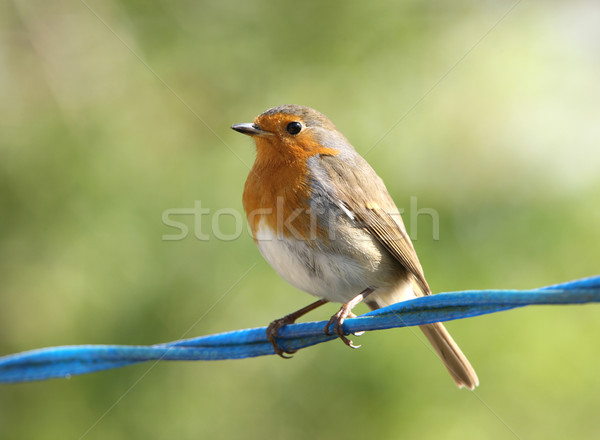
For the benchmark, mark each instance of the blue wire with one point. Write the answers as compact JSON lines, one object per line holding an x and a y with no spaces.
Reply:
{"x":56,"y":362}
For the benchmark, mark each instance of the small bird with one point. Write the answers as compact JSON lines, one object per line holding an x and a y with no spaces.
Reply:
{"x":324,"y":220}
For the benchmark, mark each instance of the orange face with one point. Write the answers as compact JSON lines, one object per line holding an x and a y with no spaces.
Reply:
{"x":287,"y":137}
{"x":278,"y":185}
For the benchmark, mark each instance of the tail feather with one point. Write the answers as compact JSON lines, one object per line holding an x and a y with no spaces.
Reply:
{"x":450,"y":354}
{"x":447,"y":350}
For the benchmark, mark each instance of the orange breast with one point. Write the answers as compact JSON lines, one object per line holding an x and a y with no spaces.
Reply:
{"x":277,"y":190}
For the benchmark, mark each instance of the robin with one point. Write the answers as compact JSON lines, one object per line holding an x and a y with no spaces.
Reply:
{"x":324,"y":220}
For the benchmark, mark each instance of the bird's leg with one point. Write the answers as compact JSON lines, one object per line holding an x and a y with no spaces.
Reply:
{"x":289,"y":319}
{"x":346,"y":311}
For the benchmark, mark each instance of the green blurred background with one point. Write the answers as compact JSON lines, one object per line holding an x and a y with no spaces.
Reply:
{"x":94,"y":147}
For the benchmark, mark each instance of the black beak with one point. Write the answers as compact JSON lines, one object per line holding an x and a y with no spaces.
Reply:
{"x":249,"y":129}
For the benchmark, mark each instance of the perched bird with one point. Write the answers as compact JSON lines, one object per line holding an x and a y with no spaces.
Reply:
{"x":324,"y":220}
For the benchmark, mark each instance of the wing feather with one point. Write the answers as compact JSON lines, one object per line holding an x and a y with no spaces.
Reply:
{"x":364,"y":194}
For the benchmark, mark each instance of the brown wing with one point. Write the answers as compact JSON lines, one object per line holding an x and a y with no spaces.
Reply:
{"x":364,"y":194}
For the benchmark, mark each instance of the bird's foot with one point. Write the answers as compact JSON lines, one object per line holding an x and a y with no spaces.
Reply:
{"x":338,"y":324}
{"x":274,"y":327}
{"x":346,"y":311}
{"x":272,"y":330}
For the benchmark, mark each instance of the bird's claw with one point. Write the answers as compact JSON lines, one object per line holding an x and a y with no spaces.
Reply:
{"x":272,"y":330}
{"x":338,"y":325}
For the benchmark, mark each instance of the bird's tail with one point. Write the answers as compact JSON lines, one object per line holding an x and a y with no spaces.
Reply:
{"x":453,"y":358}
{"x":447,"y":350}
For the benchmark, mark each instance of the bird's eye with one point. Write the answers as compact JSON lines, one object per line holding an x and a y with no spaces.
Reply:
{"x":293,"y":128}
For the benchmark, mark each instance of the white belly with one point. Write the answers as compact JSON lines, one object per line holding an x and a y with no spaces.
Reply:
{"x":335,"y":276}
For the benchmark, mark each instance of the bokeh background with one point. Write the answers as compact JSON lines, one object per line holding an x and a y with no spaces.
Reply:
{"x":94,"y":147}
